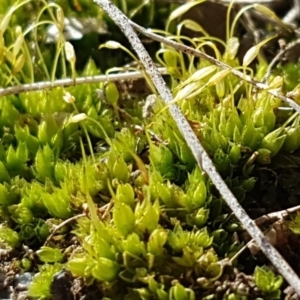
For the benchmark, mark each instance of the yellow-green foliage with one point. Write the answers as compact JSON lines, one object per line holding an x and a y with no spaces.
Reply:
{"x":150,"y":223}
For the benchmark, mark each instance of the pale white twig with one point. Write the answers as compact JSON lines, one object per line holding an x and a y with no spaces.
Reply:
{"x":276,"y":215}
{"x":202,"y":158}
{"x":276,"y":59}
{"x":185,"y":49}
{"x":43,"y":85}
{"x":271,"y":217}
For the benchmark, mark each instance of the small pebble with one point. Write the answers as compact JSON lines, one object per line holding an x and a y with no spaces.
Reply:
{"x":22,"y":281}
{"x":61,"y":286}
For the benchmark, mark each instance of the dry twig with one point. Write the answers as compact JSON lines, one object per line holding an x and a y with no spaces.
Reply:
{"x":277,"y":58}
{"x":61,"y":225}
{"x":188,"y":50}
{"x":275,"y":216}
{"x":270,"y":234}
{"x":44,"y":85}
{"x":202,"y":158}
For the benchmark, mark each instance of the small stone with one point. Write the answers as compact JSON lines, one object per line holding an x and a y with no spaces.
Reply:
{"x":61,"y":286}
{"x":22,"y":296}
{"x":22,"y":281}
{"x":91,"y":293}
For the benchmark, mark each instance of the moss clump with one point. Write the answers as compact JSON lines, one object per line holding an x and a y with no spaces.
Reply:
{"x":149,"y":223}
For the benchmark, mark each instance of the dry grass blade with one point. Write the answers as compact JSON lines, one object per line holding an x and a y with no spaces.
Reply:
{"x":197,"y":149}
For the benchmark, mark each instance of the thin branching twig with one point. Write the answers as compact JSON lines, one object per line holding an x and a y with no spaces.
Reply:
{"x":188,"y":50}
{"x":276,"y":59}
{"x":43,"y":85}
{"x":197,"y":149}
{"x":61,"y":225}
{"x":271,"y":217}
{"x":275,"y":216}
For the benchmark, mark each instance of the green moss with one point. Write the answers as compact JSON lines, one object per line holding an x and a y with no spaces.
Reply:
{"x":149,"y":222}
